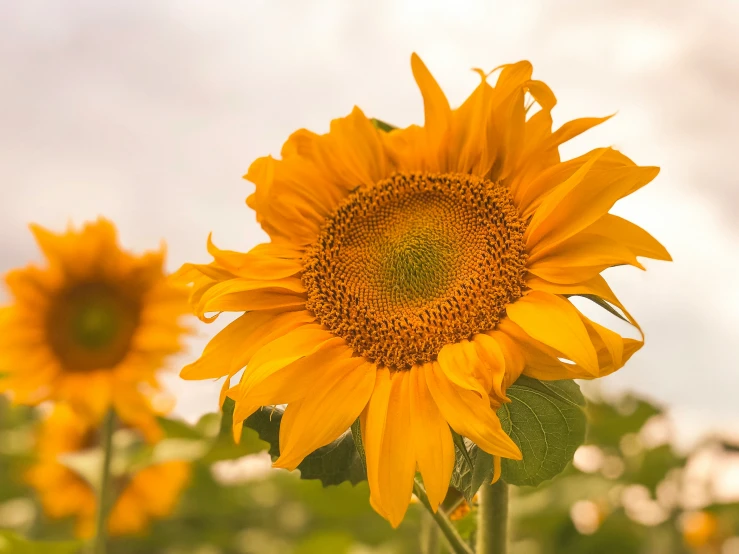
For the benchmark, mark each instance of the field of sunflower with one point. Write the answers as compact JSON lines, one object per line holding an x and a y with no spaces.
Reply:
{"x":409,"y":351}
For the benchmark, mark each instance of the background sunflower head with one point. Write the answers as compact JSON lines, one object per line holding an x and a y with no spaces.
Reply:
{"x":140,"y":497}
{"x":92,"y":326}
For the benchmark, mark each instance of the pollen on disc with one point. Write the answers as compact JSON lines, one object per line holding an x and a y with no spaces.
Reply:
{"x":415,"y":262}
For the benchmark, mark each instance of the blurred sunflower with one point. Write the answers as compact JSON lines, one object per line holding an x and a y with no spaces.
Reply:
{"x":92,"y":327}
{"x":151,"y":493}
{"x":700,"y":529}
{"x":412,"y":275}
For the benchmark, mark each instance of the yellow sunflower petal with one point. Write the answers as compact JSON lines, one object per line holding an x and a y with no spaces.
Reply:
{"x":511,"y":136}
{"x":135,"y":410}
{"x":513,"y":77}
{"x":190,"y":273}
{"x":253,"y":329}
{"x":296,"y":221}
{"x":533,"y":154}
{"x":542,"y":94}
{"x":469,"y":414}
{"x":462,"y":365}
{"x":31,"y":287}
{"x":514,"y":360}
{"x":580,"y":201}
{"x":373,"y":421}
{"x":497,"y":469}
{"x":238,"y":295}
{"x":469,"y":148}
{"x":433,"y":442}
{"x":576,"y":127}
{"x":580,"y":258}
{"x":596,"y":286}
{"x":435,"y":105}
{"x":80,"y":252}
{"x":541,"y":361}
{"x":299,"y":185}
{"x":389,"y":444}
{"x":609,"y":241}
{"x":555,"y":322}
{"x":151,"y":493}
{"x":532,"y":189}
{"x":285,"y":349}
{"x":357,"y":155}
{"x":301,"y":144}
{"x":265,"y":261}
{"x":494,"y":361}
{"x":265,"y":331}
{"x":630,"y":235}
{"x":322,"y":417}
{"x":284,"y":377}
{"x":612,"y":341}
{"x":18,"y":330}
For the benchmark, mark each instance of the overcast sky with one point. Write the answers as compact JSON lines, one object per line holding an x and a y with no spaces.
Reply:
{"x":150,"y":112}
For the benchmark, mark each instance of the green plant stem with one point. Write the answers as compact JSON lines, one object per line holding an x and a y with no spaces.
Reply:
{"x":492,"y":519}
{"x":103,"y":504}
{"x":429,"y":535}
{"x":455,"y":542}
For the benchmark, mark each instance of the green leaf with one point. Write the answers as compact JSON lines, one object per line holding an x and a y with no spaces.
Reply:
{"x":224,"y":447}
{"x":331,"y":464}
{"x":178,"y":429}
{"x":382,"y":126}
{"x":655,"y":465}
{"x":547,"y":422}
{"x":472,"y":467}
{"x":266,"y":422}
{"x":12,"y":543}
{"x":608,"y":423}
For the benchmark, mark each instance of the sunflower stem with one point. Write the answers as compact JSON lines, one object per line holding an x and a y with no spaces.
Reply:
{"x":429,"y":535}
{"x":492,"y":519}
{"x":103,"y":504}
{"x":455,"y":542}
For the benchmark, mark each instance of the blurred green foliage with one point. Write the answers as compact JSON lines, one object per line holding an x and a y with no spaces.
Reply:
{"x":623,"y":499}
{"x":273,"y":513}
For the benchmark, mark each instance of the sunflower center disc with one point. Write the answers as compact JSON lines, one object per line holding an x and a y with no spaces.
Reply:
{"x":415,"y":262}
{"x":90,"y":326}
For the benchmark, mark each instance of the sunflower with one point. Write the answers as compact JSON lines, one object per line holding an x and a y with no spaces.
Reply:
{"x":411,"y":276}
{"x":151,"y":493}
{"x":92,"y":327}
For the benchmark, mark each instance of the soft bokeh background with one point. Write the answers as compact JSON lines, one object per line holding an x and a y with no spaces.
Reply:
{"x":150,"y":112}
